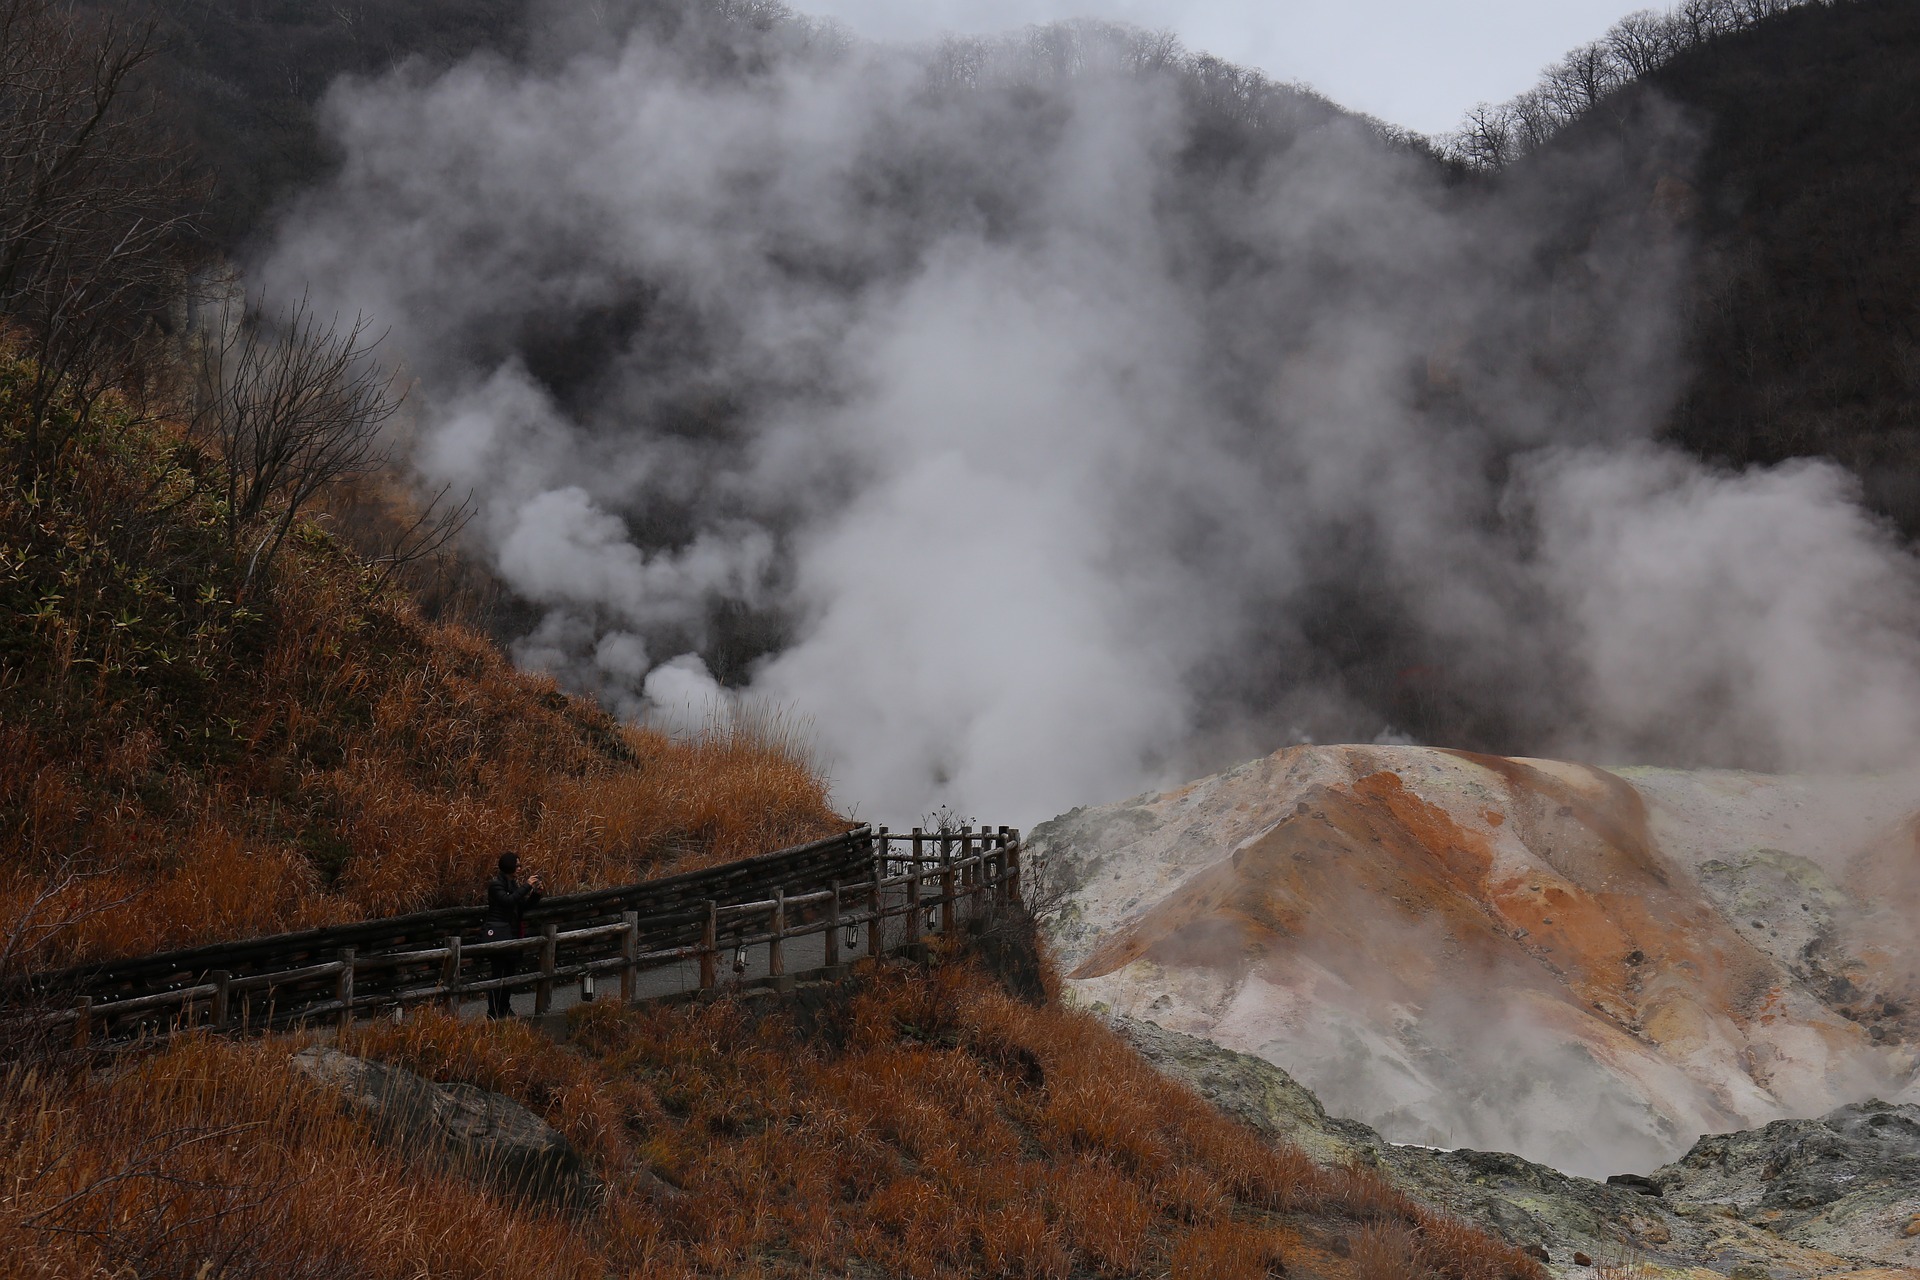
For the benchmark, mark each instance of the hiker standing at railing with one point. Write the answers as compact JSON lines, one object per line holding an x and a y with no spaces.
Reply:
{"x":507,"y":901}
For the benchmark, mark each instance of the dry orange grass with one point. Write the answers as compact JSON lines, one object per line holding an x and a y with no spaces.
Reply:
{"x":926,"y":1126}
{"x":378,"y":763}
{"x":188,"y":759}
{"x":212,"y":1159}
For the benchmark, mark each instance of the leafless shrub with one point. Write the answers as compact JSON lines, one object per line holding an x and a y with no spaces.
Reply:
{"x":292,"y":404}
{"x":425,"y":537}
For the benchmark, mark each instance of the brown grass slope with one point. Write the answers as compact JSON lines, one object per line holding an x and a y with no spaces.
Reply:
{"x":184,"y":761}
{"x":922,"y":1125}
{"x":188,"y":762}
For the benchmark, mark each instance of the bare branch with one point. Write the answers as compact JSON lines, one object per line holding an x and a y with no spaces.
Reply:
{"x":292,"y":405}
{"x":430,"y":533}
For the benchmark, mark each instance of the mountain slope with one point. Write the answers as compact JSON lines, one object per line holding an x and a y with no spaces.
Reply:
{"x":1804,"y":329}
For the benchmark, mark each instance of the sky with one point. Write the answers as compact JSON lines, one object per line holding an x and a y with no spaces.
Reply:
{"x":1416,"y":63}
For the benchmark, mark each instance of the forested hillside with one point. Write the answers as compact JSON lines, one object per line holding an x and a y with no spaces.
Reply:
{"x":243,"y":79}
{"x":1806,"y":313}
{"x":1799,"y":144}
{"x":195,"y":752}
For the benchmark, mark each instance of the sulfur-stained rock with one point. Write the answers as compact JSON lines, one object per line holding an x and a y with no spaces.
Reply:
{"x":1529,"y":955}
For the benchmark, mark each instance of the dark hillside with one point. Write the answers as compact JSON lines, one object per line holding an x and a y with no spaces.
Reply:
{"x":244,"y":79}
{"x":1805,"y":305}
{"x":1807,"y":312}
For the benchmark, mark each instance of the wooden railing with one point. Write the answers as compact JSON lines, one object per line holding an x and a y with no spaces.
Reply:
{"x":762,"y":921}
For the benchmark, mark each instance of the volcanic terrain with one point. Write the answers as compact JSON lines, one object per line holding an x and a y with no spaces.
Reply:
{"x":1588,"y":967}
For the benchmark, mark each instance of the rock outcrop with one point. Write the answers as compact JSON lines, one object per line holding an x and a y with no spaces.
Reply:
{"x":1588,"y":967}
{"x":478,"y":1133}
{"x":1796,"y":1198}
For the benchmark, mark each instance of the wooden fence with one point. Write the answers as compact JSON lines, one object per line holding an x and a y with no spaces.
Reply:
{"x":765,"y":920}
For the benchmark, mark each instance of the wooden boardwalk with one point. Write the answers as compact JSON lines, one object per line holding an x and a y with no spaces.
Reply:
{"x":812,"y":910}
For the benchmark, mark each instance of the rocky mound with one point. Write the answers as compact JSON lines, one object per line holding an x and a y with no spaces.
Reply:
{"x":1840,"y":1194}
{"x":1590,"y":968}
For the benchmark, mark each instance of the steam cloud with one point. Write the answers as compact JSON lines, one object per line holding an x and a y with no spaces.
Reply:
{"x":1048,"y":417}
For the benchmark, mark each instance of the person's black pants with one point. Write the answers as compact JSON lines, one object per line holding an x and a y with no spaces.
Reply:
{"x":500,"y":1001}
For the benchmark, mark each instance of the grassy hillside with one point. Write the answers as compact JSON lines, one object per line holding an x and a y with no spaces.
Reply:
{"x":920,"y":1126}
{"x":187,"y":761}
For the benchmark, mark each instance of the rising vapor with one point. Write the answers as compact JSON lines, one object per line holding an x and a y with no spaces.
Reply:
{"x":1050,"y":416}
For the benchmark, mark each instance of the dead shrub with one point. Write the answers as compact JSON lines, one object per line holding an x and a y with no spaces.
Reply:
{"x":1017,"y":1242}
{"x":1225,"y":1251}
{"x":1189,"y":1194}
{"x":1461,"y":1251}
{"x":1384,"y":1251}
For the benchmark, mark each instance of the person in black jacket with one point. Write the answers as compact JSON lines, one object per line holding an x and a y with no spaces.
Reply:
{"x":507,"y":901}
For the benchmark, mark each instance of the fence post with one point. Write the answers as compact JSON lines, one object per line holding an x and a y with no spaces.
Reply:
{"x":710,"y":947}
{"x":776,"y":960}
{"x":1013,"y":869}
{"x":630,"y":954}
{"x":976,"y":876}
{"x":450,"y":975}
{"x":549,"y":951}
{"x":832,"y":956}
{"x":82,"y":1022}
{"x":343,"y":989}
{"x":221,"y":1002}
{"x":949,"y":905}
{"x":876,"y":935}
{"x":913,"y":896}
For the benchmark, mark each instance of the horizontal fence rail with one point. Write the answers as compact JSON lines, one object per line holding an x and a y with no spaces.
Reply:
{"x":813,"y":908}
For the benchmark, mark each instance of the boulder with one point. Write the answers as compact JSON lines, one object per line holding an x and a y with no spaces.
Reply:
{"x":1847,"y":1182}
{"x":480,"y":1134}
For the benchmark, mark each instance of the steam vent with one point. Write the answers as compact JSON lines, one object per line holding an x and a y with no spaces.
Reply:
{"x":1589,"y":967}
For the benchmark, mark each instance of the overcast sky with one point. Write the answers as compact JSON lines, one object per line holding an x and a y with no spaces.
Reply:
{"x":1418,"y":63}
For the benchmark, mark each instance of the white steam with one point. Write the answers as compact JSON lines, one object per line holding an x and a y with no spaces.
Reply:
{"x":1042,"y":418}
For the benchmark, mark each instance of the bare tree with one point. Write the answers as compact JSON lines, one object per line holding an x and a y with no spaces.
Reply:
{"x":1749,"y":12}
{"x":1537,"y":116}
{"x":1579,"y":81}
{"x":93,"y":203}
{"x":1642,"y":42}
{"x":1489,"y":137}
{"x":292,"y":405}
{"x":1698,"y":21}
{"x":1492,"y":137}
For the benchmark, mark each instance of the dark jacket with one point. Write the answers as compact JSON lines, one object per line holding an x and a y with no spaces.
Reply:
{"x":508,"y":900}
